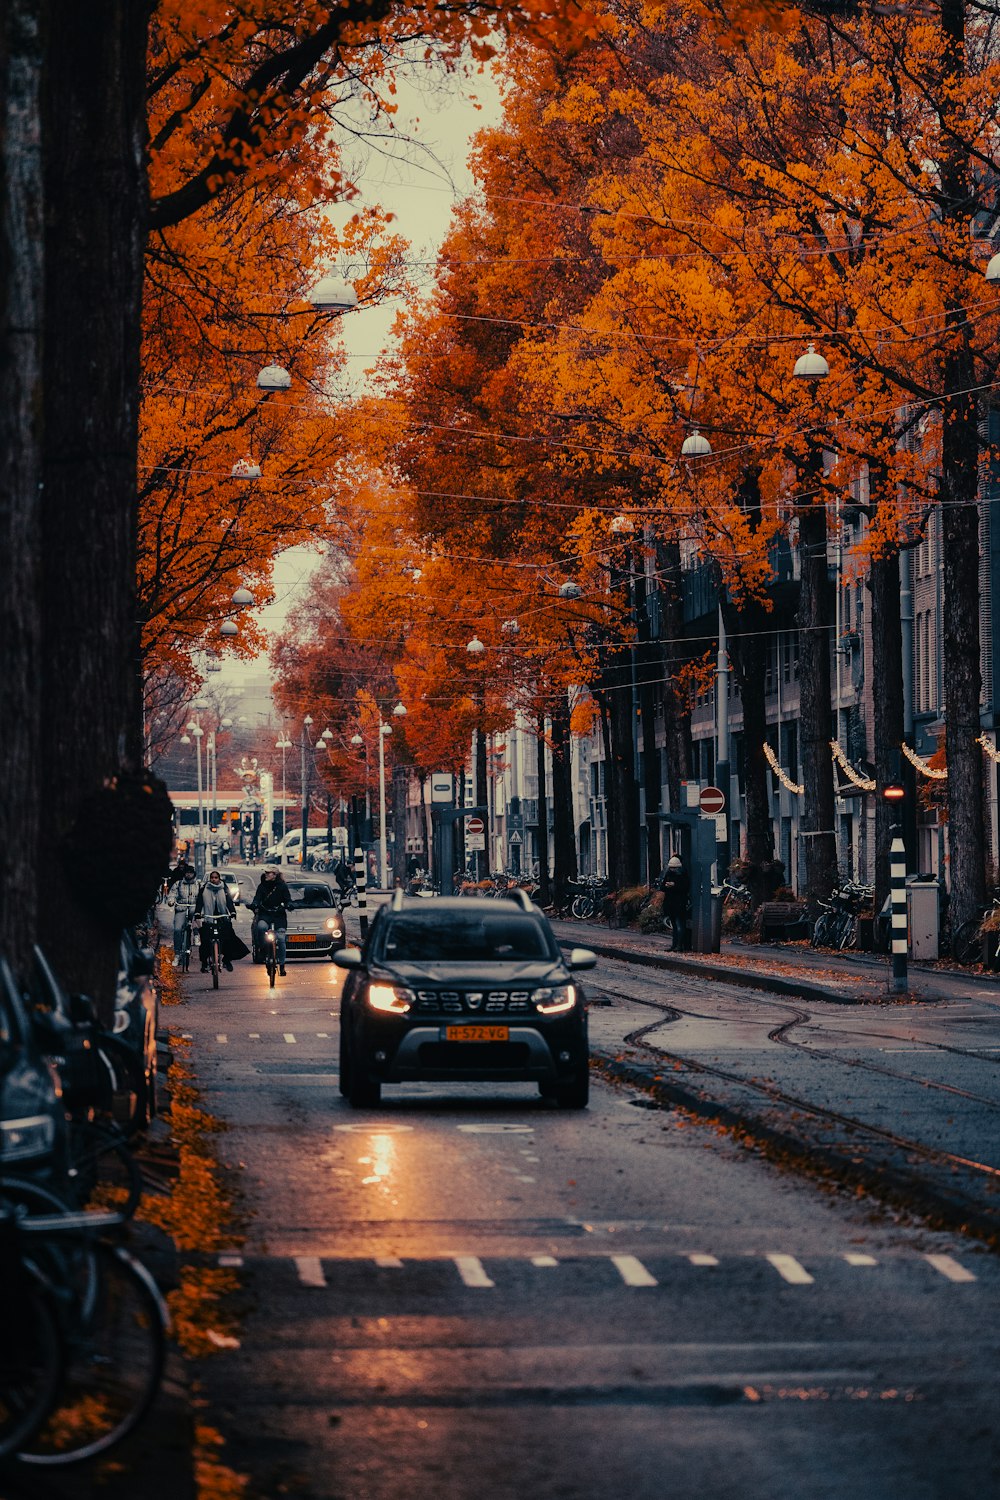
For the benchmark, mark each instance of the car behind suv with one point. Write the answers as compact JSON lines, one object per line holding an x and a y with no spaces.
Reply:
{"x":463,"y":990}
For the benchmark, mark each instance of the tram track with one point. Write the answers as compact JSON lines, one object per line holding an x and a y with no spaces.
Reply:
{"x":947,"y":1188}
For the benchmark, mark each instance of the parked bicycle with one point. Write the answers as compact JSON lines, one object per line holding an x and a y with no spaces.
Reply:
{"x":838,"y":923}
{"x":967,"y":942}
{"x":589,"y":893}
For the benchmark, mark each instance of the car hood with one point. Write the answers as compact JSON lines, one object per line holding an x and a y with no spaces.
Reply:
{"x":477,"y":975}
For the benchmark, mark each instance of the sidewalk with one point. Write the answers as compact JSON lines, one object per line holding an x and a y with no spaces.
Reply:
{"x":787,"y":968}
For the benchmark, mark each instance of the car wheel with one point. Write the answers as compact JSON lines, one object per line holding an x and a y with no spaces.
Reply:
{"x":574,"y":1094}
{"x":362,"y":1091}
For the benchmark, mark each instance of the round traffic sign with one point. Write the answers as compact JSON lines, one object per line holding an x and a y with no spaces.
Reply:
{"x":474,"y":825}
{"x":712,"y":800}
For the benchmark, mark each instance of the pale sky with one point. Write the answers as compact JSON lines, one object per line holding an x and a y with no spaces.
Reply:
{"x":420,"y":184}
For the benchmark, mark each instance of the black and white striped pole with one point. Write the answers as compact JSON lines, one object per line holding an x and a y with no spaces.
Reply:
{"x":897,"y":887}
{"x":361,"y":882}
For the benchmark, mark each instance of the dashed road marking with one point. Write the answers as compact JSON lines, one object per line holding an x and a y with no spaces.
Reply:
{"x":230,"y":1262}
{"x":289,"y":1036}
{"x":632,"y":1271}
{"x":323,"y":1036}
{"x":310,"y":1269}
{"x":703,"y":1260}
{"x":255,"y":1036}
{"x":544,"y":1260}
{"x":949,"y":1267}
{"x":221,"y":1036}
{"x":790,"y":1269}
{"x":470,"y":1268}
{"x":388,"y":1262}
{"x":860,"y":1260}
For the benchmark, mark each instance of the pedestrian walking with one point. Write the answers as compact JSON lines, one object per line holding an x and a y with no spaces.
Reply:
{"x":675,"y":884}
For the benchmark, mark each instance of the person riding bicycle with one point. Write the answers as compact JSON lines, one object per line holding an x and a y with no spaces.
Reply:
{"x":343,"y":875}
{"x":214,"y":900}
{"x":184,"y":900}
{"x":271,"y":901}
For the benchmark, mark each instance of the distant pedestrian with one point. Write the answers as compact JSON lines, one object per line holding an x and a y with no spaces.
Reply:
{"x":676,"y":885}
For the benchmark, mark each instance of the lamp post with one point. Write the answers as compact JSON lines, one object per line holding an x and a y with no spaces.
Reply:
{"x":384,"y":729}
{"x":283,"y":744}
{"x":306,"y":722}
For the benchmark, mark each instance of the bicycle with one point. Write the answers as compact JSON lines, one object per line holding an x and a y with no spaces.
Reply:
{"x":270,"y":952}
{"x":184,"y":956}
{"x":215,"y":949}
{"x":967,"y":940}
{"x":93,"y":1328}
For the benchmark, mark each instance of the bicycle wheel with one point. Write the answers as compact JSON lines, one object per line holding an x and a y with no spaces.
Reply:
{"x":579,"y":907}
{"x":113,"y":1364}
{"x":967,"y":943}
{"x":102,"y":1173}
{"x":216,"y":964}
{"x":272,"y":966}
{"x":31,"y":1361}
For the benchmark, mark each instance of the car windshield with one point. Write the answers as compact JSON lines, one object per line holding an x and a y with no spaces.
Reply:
{"x":310,"y":895}
{"x":458,"y":937}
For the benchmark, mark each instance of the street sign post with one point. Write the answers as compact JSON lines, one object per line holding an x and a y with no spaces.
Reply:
{"x":712,"y":800}
{"x":475,"y":835}
{"x":442,"y":787}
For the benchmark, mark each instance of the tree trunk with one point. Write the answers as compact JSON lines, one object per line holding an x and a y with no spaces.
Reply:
{"x":400,"y":787}
{"x":887,"y":697}
{"x":22,"y":36}
{"x":650,"y":673}
{"x":544,"y":891}
{"x":960,"y":531}
{"x":816,"y":825}
{"x":749,"y":632}
{"x":482,"y":799}
{"x":676,"y":713}
{"x":94,"y":123}
{"x":623,"y":794}
{"x":563,"y":827}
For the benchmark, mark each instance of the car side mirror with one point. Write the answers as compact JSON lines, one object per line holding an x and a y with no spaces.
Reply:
{"x":349,"y":958}
{"x":581,"y":958}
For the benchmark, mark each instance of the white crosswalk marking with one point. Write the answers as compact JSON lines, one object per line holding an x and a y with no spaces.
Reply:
{"x":310,"y":1270}
{"x":470,"y":1268}
{"x":388,"y":1262}
{"x":289,"y":1036}
{"x":703,"y":1260}
{"x":861,"y":1260}
{"x":788,"y":1267}
{"x":544,"y":1260}
{"x":949,"y":1267}
{"x":632,"y":1271}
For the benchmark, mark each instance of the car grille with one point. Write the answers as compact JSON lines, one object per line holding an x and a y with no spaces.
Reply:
{"x":473,"y":1002}
{"x":465,"y":1056}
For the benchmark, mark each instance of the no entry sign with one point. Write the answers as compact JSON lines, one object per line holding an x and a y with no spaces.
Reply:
{"x":712,"y":800}
{"x":475,"y":834}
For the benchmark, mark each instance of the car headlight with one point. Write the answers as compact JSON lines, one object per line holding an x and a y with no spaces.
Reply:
{"x":555,"y":998}
{"x":333,"y":924}
{"x":30,"y":1136}
{"x":390,"y":998}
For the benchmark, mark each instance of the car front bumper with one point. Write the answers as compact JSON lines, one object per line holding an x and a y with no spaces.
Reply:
{"x":396,"y":1052}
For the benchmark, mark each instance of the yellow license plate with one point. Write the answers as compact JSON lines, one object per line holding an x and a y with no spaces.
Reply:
{"x":476,"y":1033}
{"x":301,"y":937}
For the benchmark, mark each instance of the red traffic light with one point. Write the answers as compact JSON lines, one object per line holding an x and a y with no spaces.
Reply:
{"x":893,"y":792}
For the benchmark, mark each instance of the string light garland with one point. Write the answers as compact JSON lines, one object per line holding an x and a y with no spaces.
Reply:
{"x":923,"y":766}
{"x":786,"y":781}
{"x":991,"y":750}
{"x":865,"y":783}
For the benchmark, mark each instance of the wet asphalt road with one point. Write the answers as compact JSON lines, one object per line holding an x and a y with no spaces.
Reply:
{"x":467,"y":1293}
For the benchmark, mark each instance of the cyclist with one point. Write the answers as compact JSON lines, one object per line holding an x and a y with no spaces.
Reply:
{"x":184,"y":900}
{"x":215,"y":901}
{"x":344,"y":876}
{"x":271,"y":901}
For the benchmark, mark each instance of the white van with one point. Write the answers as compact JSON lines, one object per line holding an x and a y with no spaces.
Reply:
{"x":289,"y":849}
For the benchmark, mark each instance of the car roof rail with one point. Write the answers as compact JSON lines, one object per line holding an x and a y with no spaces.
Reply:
{"x":522,"y":897}
{"x":397,"y":898}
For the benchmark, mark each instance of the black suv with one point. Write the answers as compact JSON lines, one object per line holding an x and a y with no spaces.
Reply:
{"x":467,"y":991}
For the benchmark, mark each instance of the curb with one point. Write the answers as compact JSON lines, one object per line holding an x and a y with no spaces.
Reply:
{"x":894,"y":1186}
{"x":749,"y":979}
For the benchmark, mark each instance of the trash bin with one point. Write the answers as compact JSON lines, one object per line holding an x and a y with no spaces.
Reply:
{"x":923,"y":898}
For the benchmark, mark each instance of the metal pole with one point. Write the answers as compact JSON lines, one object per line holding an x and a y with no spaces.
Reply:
{"x":361,"y":882}
{"x":723,"y":773}
{"x":305,"y":802}
{"x":897,"y":880}
{"x":284,"y":814}
{"x":200,"y":859}
{"x":382,"y":849}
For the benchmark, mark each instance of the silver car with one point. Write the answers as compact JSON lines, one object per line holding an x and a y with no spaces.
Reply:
{"x":315,"y":922}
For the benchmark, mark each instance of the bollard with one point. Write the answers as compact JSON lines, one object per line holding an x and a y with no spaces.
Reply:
{"x":360,"y":880}
{"x":897,"y":883}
